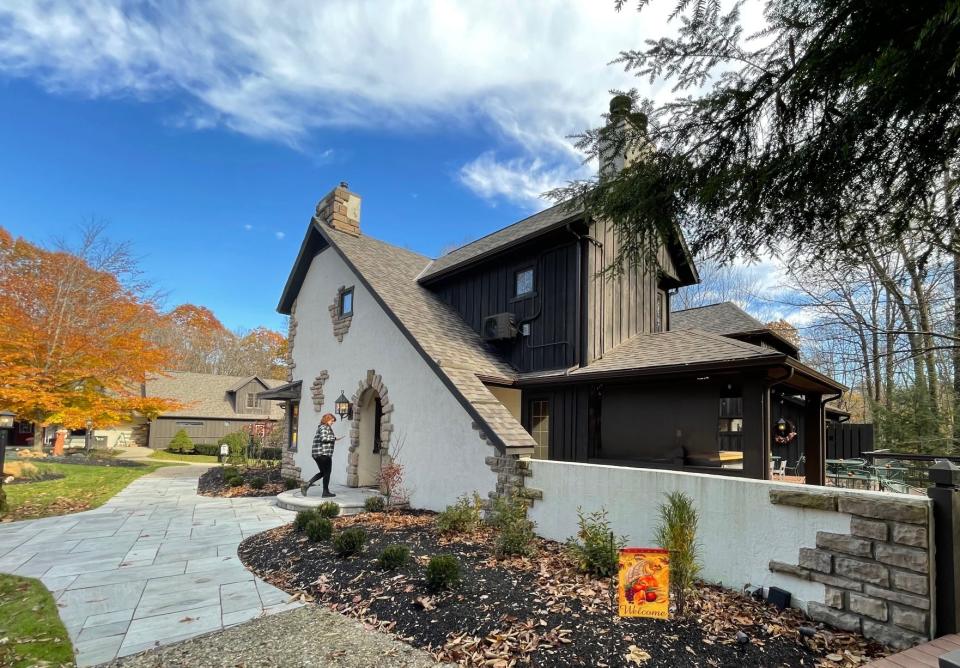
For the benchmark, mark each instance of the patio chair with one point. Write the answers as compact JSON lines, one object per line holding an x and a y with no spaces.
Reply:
{"x":779,"y":470}
{"x":796,"y":469}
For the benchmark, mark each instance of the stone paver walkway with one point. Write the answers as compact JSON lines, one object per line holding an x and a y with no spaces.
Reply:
{"x":154,"y":565}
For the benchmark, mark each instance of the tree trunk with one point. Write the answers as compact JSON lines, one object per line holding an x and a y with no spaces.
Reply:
{"x":37,"y":436}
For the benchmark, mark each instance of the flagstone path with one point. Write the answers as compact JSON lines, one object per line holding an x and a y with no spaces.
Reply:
{"x":154,"y":565}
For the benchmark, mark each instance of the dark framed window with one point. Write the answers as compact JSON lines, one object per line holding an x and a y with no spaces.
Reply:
{"x":25,"y":428}
{"x":730,"y":423}
{"x":252,"y":400}
{"x":540,"y":427}
{"x":293,"y":424}
{"x":346,"y":302}
{"x":660,"y":315}
{"x":523,"y":282}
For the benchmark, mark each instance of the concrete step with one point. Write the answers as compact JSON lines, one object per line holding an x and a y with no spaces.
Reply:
{"x":350,"y":499}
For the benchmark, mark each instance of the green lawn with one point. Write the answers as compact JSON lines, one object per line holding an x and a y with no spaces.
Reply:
{"x":163,"y":455}
{"x":30,"y":627}
{"x":83,"y":488}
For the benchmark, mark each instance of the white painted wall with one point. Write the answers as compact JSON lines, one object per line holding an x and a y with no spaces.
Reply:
{"x":740,"y":531}
{"x":442,"y":454}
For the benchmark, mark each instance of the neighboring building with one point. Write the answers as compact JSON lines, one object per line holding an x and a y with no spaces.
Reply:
{"x":213,"y":406}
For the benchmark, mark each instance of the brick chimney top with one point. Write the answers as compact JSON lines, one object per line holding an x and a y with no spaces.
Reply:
{"x":340,"y":209}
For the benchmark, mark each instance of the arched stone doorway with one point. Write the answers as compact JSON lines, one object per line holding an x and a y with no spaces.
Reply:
{"x":369,"y":432}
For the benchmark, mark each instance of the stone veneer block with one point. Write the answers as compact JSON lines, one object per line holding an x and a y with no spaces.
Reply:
{"x":836,"y":581}
{"x":909,"y":618}
{"x":838,"y":542}
{"x":804,"y":499}
{"x":906,"y":557}
{"x":865,"y":528}
{"x":865,"y":605}
{"x":816,"y":560}
{"x":910,"y":534}
{"x":891,"y":635}
{"x":842,"y":620}
{"x":865,"y":571}
{"x":882,"y":509}
{"x":789,"y":569}
{"x":834,"y":597}
{"x":918,"y":584}
{"x":921,"y":602}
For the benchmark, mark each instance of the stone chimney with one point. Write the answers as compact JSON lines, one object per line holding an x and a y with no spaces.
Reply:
{"x":340,"y":209}
{"x":620,"y":140}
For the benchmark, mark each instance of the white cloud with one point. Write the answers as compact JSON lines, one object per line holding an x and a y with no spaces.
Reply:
{"x":248,"y":227}
{"x":280,"y":235}
{"x":521,"y":180}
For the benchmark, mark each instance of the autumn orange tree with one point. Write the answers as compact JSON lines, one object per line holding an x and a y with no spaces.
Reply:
{"x":74,"y":333}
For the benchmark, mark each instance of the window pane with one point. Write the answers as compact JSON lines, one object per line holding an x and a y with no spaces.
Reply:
{"x":540,"y":428}
{"x":346,"y":303}
{"x":524,"y":282}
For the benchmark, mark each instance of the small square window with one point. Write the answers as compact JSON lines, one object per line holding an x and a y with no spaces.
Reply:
{"x":524,"y":282}
{"x":346,"y":302}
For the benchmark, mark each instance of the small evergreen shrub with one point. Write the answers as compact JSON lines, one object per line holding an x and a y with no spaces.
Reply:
{"x":319,"y":528}
{"x":443,"y":571}
{"x":302,"y":519}
{"x":677,"y":532}
{"x":349,"y":542}
{"x":595,"y":549}
{"x":258,"y":483}
{"x":328,"y":509}
{"x":230,"y":472}
{"x":180,"y":443}
{"x":462,"y":517}
{"x":374,"y":504}
{"x":515,"y":534}
{"x":289,"y":483}
{"x":235,"y":481}
{"x":394,"y":557}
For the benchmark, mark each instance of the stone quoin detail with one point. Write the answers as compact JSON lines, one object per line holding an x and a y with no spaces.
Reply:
{"x":511,"y":472}
{"x":291,"y":334}
{"x":374,"y":382}
{"x":316,"y":390}
{"x":877,"y":577}
{"x":341,"y":324}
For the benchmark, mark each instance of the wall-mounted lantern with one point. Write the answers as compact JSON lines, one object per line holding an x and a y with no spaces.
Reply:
{"x":6,"y":420}
{"x":783,"y":427}
{"x":343,"y":407}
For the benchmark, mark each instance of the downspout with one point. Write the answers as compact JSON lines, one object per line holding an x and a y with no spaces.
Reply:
{"x":578,"y":316}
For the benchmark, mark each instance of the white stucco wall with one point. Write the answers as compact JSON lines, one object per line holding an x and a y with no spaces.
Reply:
{"x":442,"y":454}
{"x":740,"y":531}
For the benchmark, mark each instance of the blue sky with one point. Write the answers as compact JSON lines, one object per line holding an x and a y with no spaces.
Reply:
{"x":205,"y":133}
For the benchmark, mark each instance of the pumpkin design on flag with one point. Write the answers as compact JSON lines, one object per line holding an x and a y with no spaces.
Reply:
{"x":644,"y":583}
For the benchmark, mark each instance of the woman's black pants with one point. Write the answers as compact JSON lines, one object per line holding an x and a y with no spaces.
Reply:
{"x":325,"y":464}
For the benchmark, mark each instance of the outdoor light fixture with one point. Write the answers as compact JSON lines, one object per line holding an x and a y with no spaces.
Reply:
{"x":343,"y":407}
{"x":782,"y":426}
{"x":6,"y":420}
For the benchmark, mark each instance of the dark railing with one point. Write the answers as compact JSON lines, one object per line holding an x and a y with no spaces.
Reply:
{"x":914,"y":467}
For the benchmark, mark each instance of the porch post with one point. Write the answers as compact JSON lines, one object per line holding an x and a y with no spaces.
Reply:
{"x":756,"y":449}
{"x":814,"y":445}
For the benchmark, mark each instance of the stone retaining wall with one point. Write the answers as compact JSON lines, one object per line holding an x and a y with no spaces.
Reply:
{"x":878,"y":577}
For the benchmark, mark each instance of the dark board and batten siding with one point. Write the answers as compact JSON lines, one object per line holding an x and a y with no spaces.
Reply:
{"x":551,"y":311}
{"x":570,"y":438}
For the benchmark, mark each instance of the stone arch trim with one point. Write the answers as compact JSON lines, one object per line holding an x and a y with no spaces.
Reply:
{"x":341,"y":324}
{"x":316,"y":390}
{"x":374,"y":382}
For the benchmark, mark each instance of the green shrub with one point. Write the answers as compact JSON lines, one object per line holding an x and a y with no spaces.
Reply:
{"x":394,"y":557}
{"x":302,"y":519}
{"x":677,"y":532}
{"x":328,"y":509}
{"x":180,"y":442}
{"x":236,"y":481}
{"x":514,"y":531}
{"x":462,"y":517}
{"x":290,"y":483}
{"x":318,"y":528}
{"x":595,"y":548}
{"x":443,"y":571}
{"x":209,"y":449}
{"x":230,"y":472}
{"x":374,"y":504}
{"x":271,"y":453}
{"x":238,"y":442}
{"x":349,"y":542}
{"x":258,"y":483}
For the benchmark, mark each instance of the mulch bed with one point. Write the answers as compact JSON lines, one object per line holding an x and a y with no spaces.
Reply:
{"x":532,"y":611}
{"x":79,"y":458}
{"x":43,"y":477}
{"x":212,"y":483}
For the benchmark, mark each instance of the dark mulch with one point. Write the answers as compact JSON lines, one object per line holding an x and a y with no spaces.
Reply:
{"x":534,"y":611}
{"x":212,"y":483}
{"x":80,"y":458}
{"x":43,"y":477}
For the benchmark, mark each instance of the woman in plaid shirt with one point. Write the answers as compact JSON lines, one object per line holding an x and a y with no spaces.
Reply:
{"x":322,"y":453}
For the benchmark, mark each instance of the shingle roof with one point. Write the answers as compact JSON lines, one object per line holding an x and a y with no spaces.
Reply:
{"x":689,"y":347}
{"x":458,"y":354}
{"x":722,"y":318}
{"x":206,"y":395}
{"x":532,"y":226}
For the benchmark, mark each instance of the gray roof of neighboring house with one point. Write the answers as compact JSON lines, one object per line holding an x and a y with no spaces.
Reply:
{"x":555,"y":216}
{"x":678,"y":348}
{"x":722,"y":318}
{"x":207,"y":395}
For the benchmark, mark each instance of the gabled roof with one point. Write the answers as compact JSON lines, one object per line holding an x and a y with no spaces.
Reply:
{"x":206,"y":395}
{"x":722,"y":318}
{"x":448,"y":344}
{"x":243,"y":381}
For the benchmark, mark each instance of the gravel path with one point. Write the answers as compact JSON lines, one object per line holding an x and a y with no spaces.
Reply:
{"x":307,"y":636}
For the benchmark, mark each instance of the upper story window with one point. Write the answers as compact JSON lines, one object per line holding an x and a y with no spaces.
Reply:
{"x":346,"y":303}
{"x":524,"y":282}
{"x":253,"y":401}
{"x":660,"y":315}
